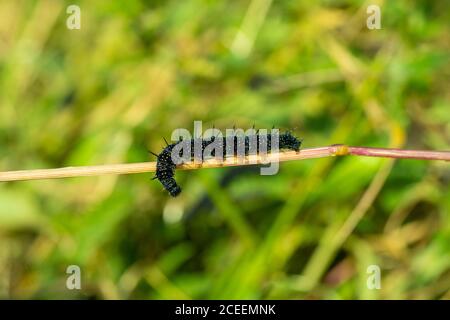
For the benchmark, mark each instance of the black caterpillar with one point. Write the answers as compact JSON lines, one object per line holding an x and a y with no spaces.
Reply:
{"x":165,"y":167}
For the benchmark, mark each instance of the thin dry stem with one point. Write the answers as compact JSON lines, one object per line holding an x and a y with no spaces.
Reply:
{"x":312,"y":153}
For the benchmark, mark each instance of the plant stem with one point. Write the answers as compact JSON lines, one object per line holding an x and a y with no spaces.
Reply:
{"x":312,"y":153}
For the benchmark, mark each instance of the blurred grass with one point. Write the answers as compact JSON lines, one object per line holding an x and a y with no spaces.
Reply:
{"x":139,"y":69}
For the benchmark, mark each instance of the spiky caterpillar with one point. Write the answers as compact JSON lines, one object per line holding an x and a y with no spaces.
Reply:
{"x":165,"y":167}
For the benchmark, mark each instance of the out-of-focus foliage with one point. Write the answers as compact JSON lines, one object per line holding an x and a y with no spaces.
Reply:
{"x":139,"y":69}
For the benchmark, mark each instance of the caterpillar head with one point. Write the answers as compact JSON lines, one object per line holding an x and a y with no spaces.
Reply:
{"x":289,"y":141}
{"x":175,"y":191}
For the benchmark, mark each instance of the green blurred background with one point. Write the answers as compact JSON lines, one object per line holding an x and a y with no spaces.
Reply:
{"x":139,"y":69}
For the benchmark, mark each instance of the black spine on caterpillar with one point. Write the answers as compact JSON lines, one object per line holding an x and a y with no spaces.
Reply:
{"x":165,"y":167}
